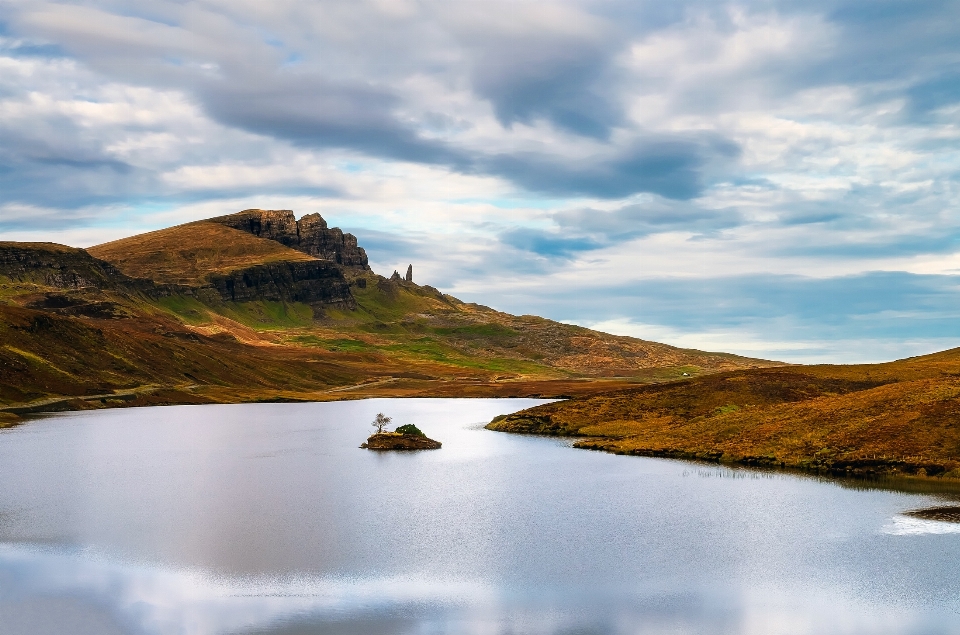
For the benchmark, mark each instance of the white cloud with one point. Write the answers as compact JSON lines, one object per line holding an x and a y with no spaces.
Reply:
{"x":766,"y":345}
{"x":160,"y":600}
{"x":797,"y":146}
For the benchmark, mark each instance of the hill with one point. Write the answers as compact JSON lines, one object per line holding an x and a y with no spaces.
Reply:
{"x":261,"y":306}
{"x":190,"y":254}
{"x":899,"y":417}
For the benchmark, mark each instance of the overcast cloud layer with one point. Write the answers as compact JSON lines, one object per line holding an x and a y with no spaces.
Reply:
{"x":773,"y":178}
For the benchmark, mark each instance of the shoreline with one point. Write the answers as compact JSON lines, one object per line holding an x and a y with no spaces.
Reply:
{"x":854,"y":467}
{"x":874,"y":477}
{"x":869,"y":474}
{"x":396,"y":387}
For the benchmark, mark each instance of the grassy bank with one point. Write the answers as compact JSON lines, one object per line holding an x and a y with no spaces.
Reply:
{"x":897,"y":418}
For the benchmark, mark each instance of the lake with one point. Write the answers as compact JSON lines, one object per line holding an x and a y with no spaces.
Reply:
{"x":268,"y":519}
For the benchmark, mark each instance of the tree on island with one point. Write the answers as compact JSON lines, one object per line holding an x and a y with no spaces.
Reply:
{"x":380,"y":422}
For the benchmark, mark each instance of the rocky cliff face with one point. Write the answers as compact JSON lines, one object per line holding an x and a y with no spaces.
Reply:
{"x":310,"y":234}
{"x":315,"y":282}
{"x":60,"y":266}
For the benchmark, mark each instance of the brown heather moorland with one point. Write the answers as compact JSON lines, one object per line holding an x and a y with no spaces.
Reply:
{"x":900,"y":417}
{"x":189,"y":254}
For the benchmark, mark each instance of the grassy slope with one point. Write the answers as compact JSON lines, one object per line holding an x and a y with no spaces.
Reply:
{"x":55,"y":248}
{"x":44,"y":355}
{"x":142,"y":355}
{"x":900,"y":416}
{"x":404,"y":322}
{"x":188,"y":254}
{"x":420,"y":320}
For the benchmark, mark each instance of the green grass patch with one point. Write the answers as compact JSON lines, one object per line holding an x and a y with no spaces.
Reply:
{"x":373,"y":305}
{"x":37,"y":360}
{"x":265,"y":315}
{"x":507,"y":365}
{"x":430,"y":349}
{"x":410,"y":429}
{"x":668,"y":373}
{"x":188,"y":310}
{"x":722,"y":410}
{"x":492,"y":331}
{"x":10,"y":289}
{"x":261,"y":315}
{"x":338,"y":344}
{"x":422,"y":348}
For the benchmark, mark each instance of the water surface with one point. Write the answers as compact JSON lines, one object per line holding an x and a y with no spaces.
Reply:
{"x":268,"y":519}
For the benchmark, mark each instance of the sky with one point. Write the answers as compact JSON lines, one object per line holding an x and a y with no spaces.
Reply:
{"x":773,"y":178}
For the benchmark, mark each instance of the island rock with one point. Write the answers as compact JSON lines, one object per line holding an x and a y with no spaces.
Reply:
{"x":398,"y":441}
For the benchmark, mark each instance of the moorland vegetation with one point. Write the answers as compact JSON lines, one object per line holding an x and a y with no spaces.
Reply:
{"x":899,"y":417}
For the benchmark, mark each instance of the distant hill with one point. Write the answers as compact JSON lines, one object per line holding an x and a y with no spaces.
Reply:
{"x":898,"y":417}
{"x":262,"y":306}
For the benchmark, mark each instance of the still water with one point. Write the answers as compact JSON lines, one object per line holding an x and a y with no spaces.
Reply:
{"x":268,"y":519}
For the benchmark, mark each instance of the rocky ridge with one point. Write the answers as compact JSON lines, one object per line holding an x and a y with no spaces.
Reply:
{"x":310,"y":234}
{"x":62,"y":267}
{"x":316,"y":282}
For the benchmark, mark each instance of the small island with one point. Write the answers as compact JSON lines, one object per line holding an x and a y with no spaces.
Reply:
{"x":405,"y":437}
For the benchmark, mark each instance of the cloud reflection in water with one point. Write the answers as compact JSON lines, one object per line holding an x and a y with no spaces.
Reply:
{"x":153,"y":600}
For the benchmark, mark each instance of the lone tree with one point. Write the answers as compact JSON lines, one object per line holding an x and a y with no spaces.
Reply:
{"x":380,"y":422}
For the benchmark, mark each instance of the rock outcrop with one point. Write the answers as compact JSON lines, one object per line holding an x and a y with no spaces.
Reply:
{"x":315,"y":282}
{"x":397,"y":441}
{"x":310,"y":234}
{"x":62,"y":267}
{"x":409,"y":276}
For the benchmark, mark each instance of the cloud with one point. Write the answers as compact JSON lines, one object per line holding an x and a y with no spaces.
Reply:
{"x":588,"y":229}
{"x":104,"y":596}
{"x":542,"y":144}
{"x":672,"y":167}
{"x":642,"y":219}
{"x":528,"y":73}
{"x":548,"y":243}
{"x":543,"y":60}
{"x":933,"y":94}
{"x":308,"y":112}
{"x":873,"y":317}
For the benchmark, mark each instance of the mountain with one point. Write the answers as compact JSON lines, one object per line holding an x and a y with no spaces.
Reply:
{"x":900,"y":417}
{"x":262,"y":306}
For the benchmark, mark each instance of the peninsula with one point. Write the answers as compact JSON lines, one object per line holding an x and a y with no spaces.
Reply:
{"x":900,"y":417}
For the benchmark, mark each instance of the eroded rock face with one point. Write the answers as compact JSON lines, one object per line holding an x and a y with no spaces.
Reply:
{"x":316,"y":282}
{"x":310,"y":234}
{"x":397,"y":441}
{"x":330,"y":244}
{"x":60,"y":266}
